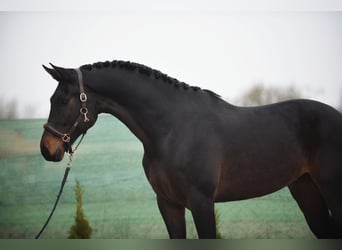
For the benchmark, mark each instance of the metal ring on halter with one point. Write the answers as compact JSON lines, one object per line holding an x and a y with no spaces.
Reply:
{"x":83,"y":97}
{"x":84,"y":111}
{"x":66,"y":138}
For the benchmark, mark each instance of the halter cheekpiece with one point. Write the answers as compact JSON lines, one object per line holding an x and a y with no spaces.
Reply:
{"x":65,"y":137}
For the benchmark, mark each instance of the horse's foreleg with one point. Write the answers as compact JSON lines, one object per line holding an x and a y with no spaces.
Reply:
{"x":174,"y":218}
{"x":202,"y":209}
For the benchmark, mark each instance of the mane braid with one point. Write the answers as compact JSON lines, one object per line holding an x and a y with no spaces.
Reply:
{"x":145,"y":71}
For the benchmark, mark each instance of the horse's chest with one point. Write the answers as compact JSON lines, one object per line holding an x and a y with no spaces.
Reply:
{"x":166,"y":183}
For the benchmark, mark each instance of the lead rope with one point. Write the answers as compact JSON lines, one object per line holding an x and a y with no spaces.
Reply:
{"x":67,"y":170}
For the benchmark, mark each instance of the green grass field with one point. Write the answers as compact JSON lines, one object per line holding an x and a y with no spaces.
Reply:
{"x":118,"y":200}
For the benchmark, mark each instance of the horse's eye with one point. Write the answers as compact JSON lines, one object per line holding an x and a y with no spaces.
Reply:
{"x":65,"y":101}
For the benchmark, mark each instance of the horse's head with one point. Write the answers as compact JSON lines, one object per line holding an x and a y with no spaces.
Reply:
{"x":72,"y":113}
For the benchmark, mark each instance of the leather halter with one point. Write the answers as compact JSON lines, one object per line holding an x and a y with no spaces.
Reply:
{"x":65,"y":137}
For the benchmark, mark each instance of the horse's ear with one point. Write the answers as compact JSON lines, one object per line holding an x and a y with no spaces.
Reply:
{"x":54,"y":73}
{"x":59,"y":73}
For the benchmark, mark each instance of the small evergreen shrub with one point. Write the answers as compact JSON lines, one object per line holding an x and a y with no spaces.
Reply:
{"x":218,"y":224}
{"x":81,"y":229}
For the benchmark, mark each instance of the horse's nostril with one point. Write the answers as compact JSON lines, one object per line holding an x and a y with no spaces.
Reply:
{"x":45,"y":152}
{"x":58,"y":154}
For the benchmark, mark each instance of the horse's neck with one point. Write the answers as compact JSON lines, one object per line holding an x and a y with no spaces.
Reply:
{"x":141,"y":105}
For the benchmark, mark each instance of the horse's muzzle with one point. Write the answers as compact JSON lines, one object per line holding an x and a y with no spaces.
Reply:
{"x":51,"y":147}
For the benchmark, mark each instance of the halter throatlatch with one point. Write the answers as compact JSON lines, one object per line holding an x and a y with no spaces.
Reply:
{"x":65,"y":137}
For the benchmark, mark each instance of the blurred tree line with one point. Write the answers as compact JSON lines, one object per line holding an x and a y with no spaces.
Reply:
{"x":261,"y":95}
{"x":8,"y":108}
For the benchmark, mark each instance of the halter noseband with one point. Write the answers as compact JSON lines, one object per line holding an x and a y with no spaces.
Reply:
{"x":65,"y":137}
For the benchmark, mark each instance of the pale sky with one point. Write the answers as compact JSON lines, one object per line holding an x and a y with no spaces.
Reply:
{"x":227,"y":51}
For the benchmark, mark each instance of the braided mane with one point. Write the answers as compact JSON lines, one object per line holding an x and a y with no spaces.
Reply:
{"x":145,"y":71}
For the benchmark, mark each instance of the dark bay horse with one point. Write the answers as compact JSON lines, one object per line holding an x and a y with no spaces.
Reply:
{"x":198,"y":149}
